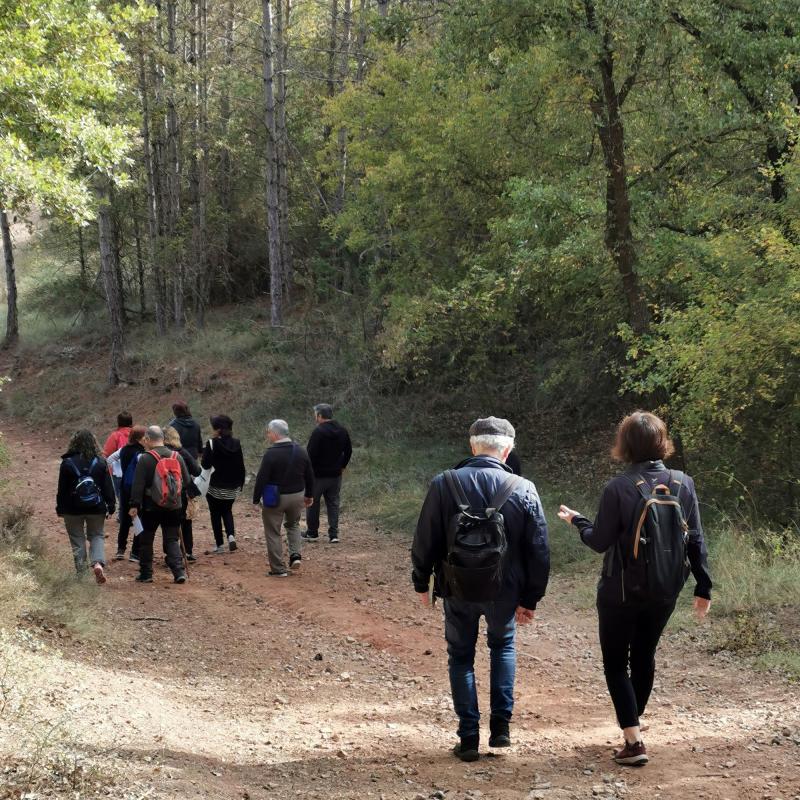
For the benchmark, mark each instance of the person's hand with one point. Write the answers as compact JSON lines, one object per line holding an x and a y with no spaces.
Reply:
{"x":701,"y":607}
{"x":133,"y":513}
{"x":524,"y":615}
{"x":308,"y":502}
{"x":424,"y":599}
{"x":567,"y":514}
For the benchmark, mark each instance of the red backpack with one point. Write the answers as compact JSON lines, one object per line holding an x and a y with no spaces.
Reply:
{"x":167,"y":489}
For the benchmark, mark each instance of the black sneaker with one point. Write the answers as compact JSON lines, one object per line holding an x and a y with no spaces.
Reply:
{"x":309,"y":537}
{"x":467,"y":749}
{"x":143,"y":578}
{"x":231,"y":544}
{"x":180,"y":578}
{"x":133,"y":558}
{"x":120,"y":556}
{"x":499,"y":734}
{"x":334,"y":539}
{"x":278,"y":573}
{"x":294,"y":561}
{"x":190,"y":557}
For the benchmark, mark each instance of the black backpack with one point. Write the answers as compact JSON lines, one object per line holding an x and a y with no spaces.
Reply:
{"x":653,"y":555}
{"x":476,"y":543}
{"x":86,"y":494}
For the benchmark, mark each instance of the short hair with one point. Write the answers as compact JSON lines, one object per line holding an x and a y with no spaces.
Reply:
{"x":83,"y":443}
{"x":171,"y":437}
{"x":221,"y":422}
{"x":180,"y":408}
{"x":279,"y":426}
{"x":137,"y":434}
{"x":641,"y":436}
{"x":323,"y":410}
{"x":124,"y":419}
{"x":491,"y":441}
{"x":155,"y":433}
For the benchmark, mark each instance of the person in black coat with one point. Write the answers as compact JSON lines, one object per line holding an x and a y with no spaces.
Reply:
{"x":127,"y":457}
{"x":173,"y":441}
{"x":630,"y":628}
{"x":187,"y":427}
{"x":224,"y":454}
{"x":84,"y":499}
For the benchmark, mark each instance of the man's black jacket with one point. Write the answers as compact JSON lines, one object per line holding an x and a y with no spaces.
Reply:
{"x":287,"y":465}
{"x":525,"y":579}
{"x":329,"y":449}
{"x":618,"y":505}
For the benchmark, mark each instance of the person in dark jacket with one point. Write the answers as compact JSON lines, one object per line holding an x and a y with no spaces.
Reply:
{"x":152,"y":515}
{"x":523,"y":583}
{"x":287,"y":467}
{"x":84,"y":499}
{"x":224,"y":454}
{"x":126,"y":459}
{"x":329,"y":449}
{"x":630,"y":629}
{"x":188,"y":428}
{"x":173,"y":440}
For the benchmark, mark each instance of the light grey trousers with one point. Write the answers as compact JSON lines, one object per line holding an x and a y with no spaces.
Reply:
{"x":83,"y":527}
{"x":287,"y":512}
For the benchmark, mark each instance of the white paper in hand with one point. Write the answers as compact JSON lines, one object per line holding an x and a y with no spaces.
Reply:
{"x":137,"y":525}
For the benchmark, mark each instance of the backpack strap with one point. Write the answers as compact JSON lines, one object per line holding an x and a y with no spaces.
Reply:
{"x":503,"y":493}
{"x":676,"y":477}
{"x":456,"y":489}
{"x":639,"y":483}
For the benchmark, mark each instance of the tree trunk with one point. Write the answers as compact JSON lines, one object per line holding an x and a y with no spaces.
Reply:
{"x":281,"y":58}
{"x":12,"y":320}
{"x":361,"y":41}
{"x":344,"y":71}
{"x":383,"y":8}
{"x":151,"y":180}
{"x":333,"y":48}
{"x":225,"y":163}
{"x":110,"y":284}
{"x":273,"y":202}
{"x":137,"y":238}
{"x":82,"y":256}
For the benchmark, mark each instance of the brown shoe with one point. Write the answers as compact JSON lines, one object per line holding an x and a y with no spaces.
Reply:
{"x":99,"y":574}
{"x":632,"y":755}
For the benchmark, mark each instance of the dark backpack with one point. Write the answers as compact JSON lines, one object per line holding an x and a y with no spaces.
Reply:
{"x":86,"y":494}
{"x":130,"y":473}
{"x":476,"y":543}
{"x":653,"y":555}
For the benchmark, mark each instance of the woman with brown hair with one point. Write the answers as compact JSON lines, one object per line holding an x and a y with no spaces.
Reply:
{"x":648,"y":525}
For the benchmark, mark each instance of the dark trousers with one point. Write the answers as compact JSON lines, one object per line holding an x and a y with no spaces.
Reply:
{"x":169,"y":522}
{"x":461,"y":619}
{"x":629,"y":637}
{"x":221,"y":513}
{"x":188,"y":535}
{"x":330,"y":489}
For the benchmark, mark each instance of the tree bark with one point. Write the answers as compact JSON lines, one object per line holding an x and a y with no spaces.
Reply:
{"x":383,"y":8}
{"x":344,"y":71}
{"x":606,"y":108}
{"x":273,"y":201}
{"x":111,"y":286}
{"x":82,"y":255}
{"x":140,"y":271}
{"x":225,"y":162}
{"x":281,"y":58}
{"x":12,"y":320}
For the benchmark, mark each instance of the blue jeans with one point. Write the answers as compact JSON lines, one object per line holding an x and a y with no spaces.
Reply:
{"x":461,"y":620}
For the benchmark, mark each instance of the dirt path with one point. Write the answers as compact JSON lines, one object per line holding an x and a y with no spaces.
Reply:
{"x":332,"y":684}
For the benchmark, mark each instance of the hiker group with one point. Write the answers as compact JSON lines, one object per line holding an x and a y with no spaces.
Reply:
{"x":156,"y":478}
{"x":481,"y":542}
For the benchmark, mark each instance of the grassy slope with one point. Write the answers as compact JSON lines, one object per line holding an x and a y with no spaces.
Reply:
{"x":239,"y":366}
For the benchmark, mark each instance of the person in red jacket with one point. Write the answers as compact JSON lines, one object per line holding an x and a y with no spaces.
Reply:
{"x":117,"y":439}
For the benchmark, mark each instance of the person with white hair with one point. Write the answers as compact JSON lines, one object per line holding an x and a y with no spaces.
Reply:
{"x":283,"y":487}
{"x":481,"y":545}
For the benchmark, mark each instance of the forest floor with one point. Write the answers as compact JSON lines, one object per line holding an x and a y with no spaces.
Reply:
{"x":333,"y":684}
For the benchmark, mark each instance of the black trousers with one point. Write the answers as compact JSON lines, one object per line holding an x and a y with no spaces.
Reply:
{"x":221,"y":513}
{"x":629,"y":636}
{"x":169,"y":522}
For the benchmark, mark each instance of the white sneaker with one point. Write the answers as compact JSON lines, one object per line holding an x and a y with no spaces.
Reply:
{"x":219,"y":550}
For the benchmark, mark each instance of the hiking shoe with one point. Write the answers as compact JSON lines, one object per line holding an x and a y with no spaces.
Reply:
{"x":120,"y":556}
{"x":278,"y":573}
{"x":99,"y":574}
{"x":180,"y":578}
{"x":467,"y":749}
{"x":190,"y":557}
{"x":218,"y":550}
{"x":310,"y":537}
{"x":143,"y":578}
{"x":499,"y":735}
{"x":133,"y":558}
{"x":333,"y":540}
{"x":294,"y":561}
{"x":632,"y":755}
{"x":231,"y":544}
